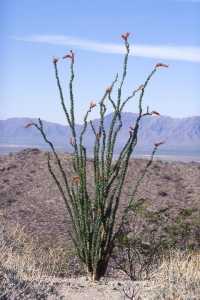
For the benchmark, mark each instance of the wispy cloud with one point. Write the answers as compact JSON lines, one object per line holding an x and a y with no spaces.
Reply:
{"x":184,"y":53}
{"x":193,"y":1}
{"x":190,"y":0}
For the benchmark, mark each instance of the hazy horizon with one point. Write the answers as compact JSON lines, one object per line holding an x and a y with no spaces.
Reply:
{"x":64,"y":122}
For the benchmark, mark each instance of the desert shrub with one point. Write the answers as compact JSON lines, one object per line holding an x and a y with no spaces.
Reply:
{"x":152,"y":234}
{"x":178,"y":277}
{"x":94,"y":217}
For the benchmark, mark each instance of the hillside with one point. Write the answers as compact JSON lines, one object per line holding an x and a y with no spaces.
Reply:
{"x":29,"y":197}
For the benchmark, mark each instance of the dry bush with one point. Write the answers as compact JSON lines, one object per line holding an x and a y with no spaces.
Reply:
{"x":178,"y":277}
{"x":149,"y":234}
{"x":26,"y":269}
{"x":25,"y":256}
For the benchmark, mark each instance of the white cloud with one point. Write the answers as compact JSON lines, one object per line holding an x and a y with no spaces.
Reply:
{"x":189,"y":1}
{"x":193,"y":1}
{"x":184,"y":53}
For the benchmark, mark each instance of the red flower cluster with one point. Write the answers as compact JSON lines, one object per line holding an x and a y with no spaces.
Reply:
{"x":161,"y":65}
{"x":159,"y":144}
{"x":109,"y":89}
{"x":55,"y":60}
{"x":28,"y":125}
{"x":141,"y":87}
{"x":70,"y":56}
{"x":125,"y":36}
{"x":92,"y":104}
{"x":155,"y":113}
{"x":76,"y":179}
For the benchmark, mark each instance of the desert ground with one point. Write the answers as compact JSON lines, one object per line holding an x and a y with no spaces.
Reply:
{"x":29,"y":200}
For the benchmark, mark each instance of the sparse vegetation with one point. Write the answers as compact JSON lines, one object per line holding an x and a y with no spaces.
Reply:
{"x":29,"y":272}
{"x":152,"y":234}
{"x":28,"y":258}
{"x":24,"y":267}
{"x":178,"y":277}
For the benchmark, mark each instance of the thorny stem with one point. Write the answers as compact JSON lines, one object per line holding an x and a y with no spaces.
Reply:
{"x":94,"y":220}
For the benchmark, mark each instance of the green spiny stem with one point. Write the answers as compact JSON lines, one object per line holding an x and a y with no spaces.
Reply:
{"x":62,"y":192}
{"x":122,"y":153}
{"x":41,"y":130}
{"x":128,"y":207}
{"x":140,"y":112}
{"x":79,"y":225}
{"x":69,"y":120}
{"x":116,"y":168}
{"x":73,"y":126}
{"x":72,"y":97}
{"x":116,"y":110}
{"x":110,"y":91}
{"x":83,"y":159}
{"x":128,"y":99}
{"x":113,"y":140}
{"x":85,"y":125}
{"x":94,"y":160}
{"x":61,"y":94}
{"x":124,"y":71}
{"x":103,"y":110}
{"x":141,"y":178}
{"x":94,"y":220}
{"x":125,"y":167}
{"x":101,"y":131}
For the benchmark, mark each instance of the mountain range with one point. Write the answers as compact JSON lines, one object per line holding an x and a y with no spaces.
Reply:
{"x":179,"y":134}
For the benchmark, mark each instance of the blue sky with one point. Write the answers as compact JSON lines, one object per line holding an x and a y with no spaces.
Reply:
{"x":34,"y":31}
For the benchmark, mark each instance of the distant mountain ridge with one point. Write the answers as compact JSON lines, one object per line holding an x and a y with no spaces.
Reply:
{"x":178,"y":133}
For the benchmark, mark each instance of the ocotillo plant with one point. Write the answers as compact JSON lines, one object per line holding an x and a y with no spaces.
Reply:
{"x":94,"y":218}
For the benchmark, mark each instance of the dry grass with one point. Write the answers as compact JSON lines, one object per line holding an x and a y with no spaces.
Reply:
{"x":27,"y":270}
{"x":24,"y":255}
{"x":178,"y":277}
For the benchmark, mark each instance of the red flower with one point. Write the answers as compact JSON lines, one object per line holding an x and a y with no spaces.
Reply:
{"x":141,"y":87}
{"x":161,"y":65}
{"x":76,"y":179}
{"x":67,"y":56}
{"x":155,"y":113}
{"x":125,"y":36}
{"x":55,"y":60}
{"x":28,"y":125}
{"x":92,"y":104}
{"x":109,"y":89}
{"x":71,"y":56}
{"x":159,"y":144}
